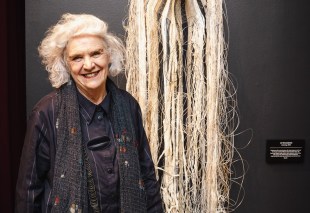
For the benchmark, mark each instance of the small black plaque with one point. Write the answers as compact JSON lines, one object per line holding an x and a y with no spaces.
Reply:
{"x":285,"y":151}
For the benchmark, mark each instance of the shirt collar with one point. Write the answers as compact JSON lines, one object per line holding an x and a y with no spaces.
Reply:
{"x":88,"y":109}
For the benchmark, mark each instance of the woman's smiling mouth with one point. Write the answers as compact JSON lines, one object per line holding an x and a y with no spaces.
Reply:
{"x":91,"y":75}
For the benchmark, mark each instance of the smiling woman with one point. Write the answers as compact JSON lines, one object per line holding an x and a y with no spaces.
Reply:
{"x":89,"y":66}
{"x":85,"y":148}
{"x":72,"y":27}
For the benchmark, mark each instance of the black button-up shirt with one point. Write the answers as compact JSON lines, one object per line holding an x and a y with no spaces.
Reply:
{"x":95,"y":124}
{"x":35,"y":178}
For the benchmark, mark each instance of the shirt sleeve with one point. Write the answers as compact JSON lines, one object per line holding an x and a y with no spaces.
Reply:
{"x":154,"y":201}
{"x":34,"y":164}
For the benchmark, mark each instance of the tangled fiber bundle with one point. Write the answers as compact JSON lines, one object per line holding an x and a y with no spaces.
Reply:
{"x":176,"y":68}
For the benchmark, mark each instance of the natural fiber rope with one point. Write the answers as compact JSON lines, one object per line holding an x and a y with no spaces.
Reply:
{"x":189,"y":107}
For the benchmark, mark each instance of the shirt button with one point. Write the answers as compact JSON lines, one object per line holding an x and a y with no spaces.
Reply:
{"x":109,"y":171}
{"x":99,"y":117}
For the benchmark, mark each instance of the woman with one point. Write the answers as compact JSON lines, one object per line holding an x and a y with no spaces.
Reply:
{"x":85,"y":148}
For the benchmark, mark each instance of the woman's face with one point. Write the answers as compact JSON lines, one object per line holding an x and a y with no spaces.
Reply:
{"x":88,"y":62}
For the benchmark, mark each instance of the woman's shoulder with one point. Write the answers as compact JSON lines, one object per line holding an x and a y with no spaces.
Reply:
{"x":44,"y":110}
{"x":129,"y":97}
{"x":46,"y":103}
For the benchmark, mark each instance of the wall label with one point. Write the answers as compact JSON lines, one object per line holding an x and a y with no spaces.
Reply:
{"x":285,"y":151}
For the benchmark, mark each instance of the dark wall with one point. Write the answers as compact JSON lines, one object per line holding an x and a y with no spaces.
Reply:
{"x":12,"y":96}
{"x":269,"y":57}
{"x":269,"y":44}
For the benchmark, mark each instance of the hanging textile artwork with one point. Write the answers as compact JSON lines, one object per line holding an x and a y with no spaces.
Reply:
{"x":176,"y":68}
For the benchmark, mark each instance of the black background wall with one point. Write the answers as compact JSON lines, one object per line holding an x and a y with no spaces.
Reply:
{"x":268,"y":57}
{"x":12,"y":96}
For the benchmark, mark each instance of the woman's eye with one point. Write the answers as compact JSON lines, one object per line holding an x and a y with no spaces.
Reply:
{"x":77,"y":59}
{"x":96,"y":54}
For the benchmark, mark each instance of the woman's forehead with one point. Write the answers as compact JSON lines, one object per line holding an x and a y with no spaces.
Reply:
{"x":84,"y":43}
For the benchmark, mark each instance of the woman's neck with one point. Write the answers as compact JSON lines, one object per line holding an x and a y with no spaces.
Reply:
{"x":94,"y":96}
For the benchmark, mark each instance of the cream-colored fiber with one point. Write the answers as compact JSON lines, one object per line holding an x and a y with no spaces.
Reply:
{"x":176,"y":68}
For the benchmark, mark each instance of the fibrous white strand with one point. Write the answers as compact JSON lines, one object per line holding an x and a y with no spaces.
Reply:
{"x":179,"y":76}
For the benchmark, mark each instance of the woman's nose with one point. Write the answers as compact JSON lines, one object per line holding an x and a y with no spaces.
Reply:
{"x":88,"y":63}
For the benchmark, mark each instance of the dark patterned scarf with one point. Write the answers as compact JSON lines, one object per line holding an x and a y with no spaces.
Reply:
{"x":73,"y":189}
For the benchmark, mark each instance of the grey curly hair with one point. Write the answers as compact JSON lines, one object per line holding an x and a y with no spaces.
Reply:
{"x":52,"y":47}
